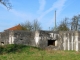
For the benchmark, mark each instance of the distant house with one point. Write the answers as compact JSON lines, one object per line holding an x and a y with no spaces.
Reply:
{"x":61,"y":40}
{"x":17,"y":27}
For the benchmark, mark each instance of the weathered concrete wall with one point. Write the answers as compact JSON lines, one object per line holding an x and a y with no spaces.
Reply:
{"x":17,"y":37}
{"x":79,"y":40}
{"x":4,"y":37}
{"x":70,"y":40}
{"x":43,"y":39}
{"x":24,"y":37}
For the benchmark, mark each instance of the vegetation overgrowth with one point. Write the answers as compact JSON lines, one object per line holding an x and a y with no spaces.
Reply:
{"x":22,"y":52}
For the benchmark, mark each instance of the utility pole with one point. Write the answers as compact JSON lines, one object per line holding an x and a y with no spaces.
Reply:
{"x":55,"y":20}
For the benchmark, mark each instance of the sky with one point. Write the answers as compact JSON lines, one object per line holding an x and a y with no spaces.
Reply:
{"x":42,"y":10}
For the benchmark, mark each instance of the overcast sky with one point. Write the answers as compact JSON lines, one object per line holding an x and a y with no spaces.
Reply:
{"x":43,"y":10}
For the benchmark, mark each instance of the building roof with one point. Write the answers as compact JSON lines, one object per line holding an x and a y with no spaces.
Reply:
{"x":17,"y":27}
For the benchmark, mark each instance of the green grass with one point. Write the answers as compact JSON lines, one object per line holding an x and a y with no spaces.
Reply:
{"x":32,"y":53}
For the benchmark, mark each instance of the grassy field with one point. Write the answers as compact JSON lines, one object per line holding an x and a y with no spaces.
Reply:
{"x":32,"y":53}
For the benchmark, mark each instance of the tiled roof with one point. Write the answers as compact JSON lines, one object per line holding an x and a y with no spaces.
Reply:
{"x":18,"y":27}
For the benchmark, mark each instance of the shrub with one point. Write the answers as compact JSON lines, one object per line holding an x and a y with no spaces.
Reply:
{"x":12,"y":48}
{"x":1,"y":49}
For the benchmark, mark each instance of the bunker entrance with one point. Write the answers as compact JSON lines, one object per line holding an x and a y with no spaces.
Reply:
{"x":51,"y":42}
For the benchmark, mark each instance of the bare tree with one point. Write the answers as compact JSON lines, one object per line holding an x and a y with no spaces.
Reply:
{"x":27,"y":25}
{"x":63,"y":25}
{"x":36,"y":25}
{"x":32,"y":26}
{"x":6,"y":3}
{"x":75,"y":23}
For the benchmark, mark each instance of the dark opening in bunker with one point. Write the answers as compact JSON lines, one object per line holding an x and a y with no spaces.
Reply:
{"x":51,"y":42}
{"x":21,"y":39}
{"x":2,"y":43}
